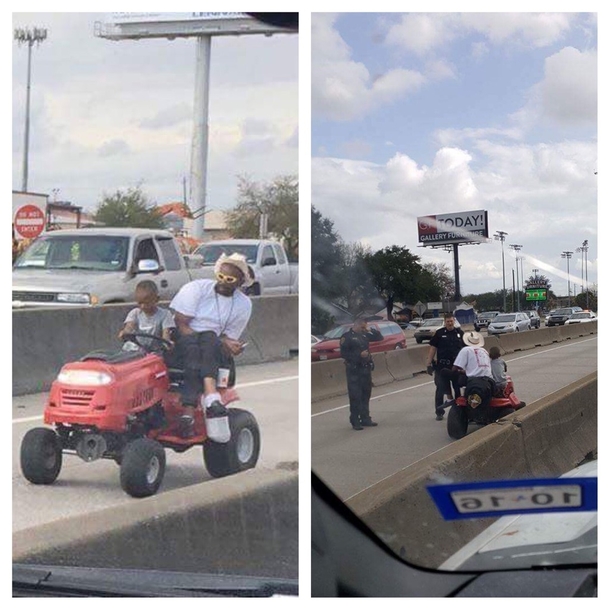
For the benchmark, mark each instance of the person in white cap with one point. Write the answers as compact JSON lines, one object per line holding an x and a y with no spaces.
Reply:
{"x":472,"y":361}
{"x":210,"y":316}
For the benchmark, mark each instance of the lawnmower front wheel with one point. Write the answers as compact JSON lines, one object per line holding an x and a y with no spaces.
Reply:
{"x":142,"y":467}
{"x":41,"y":456}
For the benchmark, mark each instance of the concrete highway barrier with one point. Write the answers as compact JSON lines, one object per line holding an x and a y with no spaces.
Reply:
{"x":328,"y":378}
{"x":545,"y":439}
{"x":45,"y":339}
{"x":243,"y":524}
{"x":381,"y":374}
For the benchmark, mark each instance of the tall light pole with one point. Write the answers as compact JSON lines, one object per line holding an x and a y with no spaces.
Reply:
{"x":501,"y":236}
{"x":29,"y":37}
{"x":585,"y":249}
{"x":582,"y":268}
{"x":568,"y":255}
{"x":517,"y":249}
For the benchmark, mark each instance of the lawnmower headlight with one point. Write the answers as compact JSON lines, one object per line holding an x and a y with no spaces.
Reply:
{"x":83,"y":377}
{"x":74,"y":297}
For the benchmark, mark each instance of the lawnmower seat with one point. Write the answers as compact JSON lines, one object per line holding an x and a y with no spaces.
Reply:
{"x":113,"y":357}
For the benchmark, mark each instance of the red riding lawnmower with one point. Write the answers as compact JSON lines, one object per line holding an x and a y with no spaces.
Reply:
{"x":475,"y":407}
{"x":126,"y":406}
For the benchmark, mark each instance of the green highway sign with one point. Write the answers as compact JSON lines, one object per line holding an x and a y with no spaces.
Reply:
{"x":535,"y":294}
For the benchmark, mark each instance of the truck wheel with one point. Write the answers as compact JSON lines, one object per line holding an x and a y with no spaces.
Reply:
{"x":418,"y":340}
{"x":240,"y":453}
{"x":41,"y":456}
{"x":457,"y":422}
{"x":254,"y":290}
{"x":142,"y":467}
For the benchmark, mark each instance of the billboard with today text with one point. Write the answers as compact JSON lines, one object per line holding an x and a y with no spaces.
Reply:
{"x":456,"y":228}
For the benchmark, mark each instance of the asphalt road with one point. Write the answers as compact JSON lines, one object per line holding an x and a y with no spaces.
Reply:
{"x":269,"y":391}
{"x":349,"y":461}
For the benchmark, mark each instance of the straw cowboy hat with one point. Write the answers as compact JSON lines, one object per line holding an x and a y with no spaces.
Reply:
{"x":237,"y":260}
{"x":474,"y":339}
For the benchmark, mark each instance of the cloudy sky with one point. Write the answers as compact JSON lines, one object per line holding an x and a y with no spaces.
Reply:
{"x":109,"y":115}
{"x":418,"y":114}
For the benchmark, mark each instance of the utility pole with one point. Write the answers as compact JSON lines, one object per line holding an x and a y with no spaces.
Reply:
{"x":568,"y":255}
{"x":501,"y":236}
{"x":29,"y":37}
{"x":585,"y":247}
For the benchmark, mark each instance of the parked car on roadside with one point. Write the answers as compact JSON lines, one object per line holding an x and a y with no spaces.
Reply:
{"x":581,"y":316}
{"x":560,"y":316}
{"x":426,"y":331}
{"x":328,"y":348}
{"x":483,"y":319}
{"x":509,"y":323}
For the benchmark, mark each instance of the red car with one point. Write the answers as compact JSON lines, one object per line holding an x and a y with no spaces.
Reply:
{"x":328,"y":348}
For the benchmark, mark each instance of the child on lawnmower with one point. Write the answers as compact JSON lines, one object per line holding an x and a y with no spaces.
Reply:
{"x":148,"y":318}
{"x":498,"y":369}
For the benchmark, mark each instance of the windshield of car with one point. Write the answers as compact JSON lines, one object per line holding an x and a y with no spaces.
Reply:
{"x":85,"y":252}
{"x":434,"y":322}
{"x":564,"y":312}
{"x":580,"y":316}
{"x":212,"y":252}
{"x":335,"y":333}
{"x":403,"y":189}
{"x":499,"y":319}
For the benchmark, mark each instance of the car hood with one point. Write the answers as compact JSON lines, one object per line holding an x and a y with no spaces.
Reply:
{"x":59,"y":280}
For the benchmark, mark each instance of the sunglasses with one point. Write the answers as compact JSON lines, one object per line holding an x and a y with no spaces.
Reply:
{"x":226,"y":279}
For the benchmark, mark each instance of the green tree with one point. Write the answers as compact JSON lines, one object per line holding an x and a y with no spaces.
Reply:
{"x":326,"y":268}
{"x":443,"y":279}
{"x":581,"y":299}
{"x":398,"y":276}
{"x":279,"y":200}
{"x":129,"y":208}
{"x":358,"y":292}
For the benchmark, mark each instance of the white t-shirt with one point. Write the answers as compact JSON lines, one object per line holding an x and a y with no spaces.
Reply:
{"x":475,"y":361}
{"x":212,"y":311}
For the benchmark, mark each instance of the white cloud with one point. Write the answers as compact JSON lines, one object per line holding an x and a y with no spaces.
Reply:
{"x":423,"y":33}
{"x":426,"y":34}
{"x":528,"y":191}
{"x":343,"y":89}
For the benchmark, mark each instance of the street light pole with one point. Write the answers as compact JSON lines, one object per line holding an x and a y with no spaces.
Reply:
{"x":568,"y":255}
{"x":517,"y":249}
{"x":585,"y":247}
{"x":501,"y":236}
{"x":25,"y":35}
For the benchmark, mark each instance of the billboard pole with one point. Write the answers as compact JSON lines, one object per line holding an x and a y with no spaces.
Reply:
{"x":199,"y":150}
{"x":456,"y":267}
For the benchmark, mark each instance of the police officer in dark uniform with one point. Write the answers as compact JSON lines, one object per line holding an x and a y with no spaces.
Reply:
{"x":445,"y":345}
{"x":358,"y":370}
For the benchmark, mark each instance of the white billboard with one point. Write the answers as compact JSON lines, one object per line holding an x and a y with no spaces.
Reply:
{"x":118,"y":18}
{"x":460,"y":227}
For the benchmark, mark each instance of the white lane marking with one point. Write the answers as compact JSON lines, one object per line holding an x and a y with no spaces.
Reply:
{"x":251,"y":384}
{"x":421,"y":385}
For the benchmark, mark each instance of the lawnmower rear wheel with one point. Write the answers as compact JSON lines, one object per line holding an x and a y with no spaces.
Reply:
{"x":41,"y":456}
{"x":457,"y":422}
{"x":142,"y":467}
{"x":242,"y":450}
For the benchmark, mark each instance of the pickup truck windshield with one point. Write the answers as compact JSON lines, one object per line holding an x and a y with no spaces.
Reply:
{"x":211,"y":253}
{"x":90,"y":252}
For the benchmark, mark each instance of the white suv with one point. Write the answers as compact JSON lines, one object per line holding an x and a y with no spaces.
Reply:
{"x":509,"y":323}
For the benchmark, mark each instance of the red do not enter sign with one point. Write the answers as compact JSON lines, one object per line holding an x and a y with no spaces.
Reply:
{"x":29,"y":221}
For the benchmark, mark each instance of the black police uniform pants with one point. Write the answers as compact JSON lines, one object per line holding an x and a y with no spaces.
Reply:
{"x":359,"y":386}
{"x":442,"y":380}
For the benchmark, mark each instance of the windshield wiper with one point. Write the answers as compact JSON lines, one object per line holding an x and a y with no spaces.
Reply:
{"x":63,"y":581}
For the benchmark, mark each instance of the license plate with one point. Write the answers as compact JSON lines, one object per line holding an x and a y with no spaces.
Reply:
{"x":323,"y":357}
{"x":518,"y":498}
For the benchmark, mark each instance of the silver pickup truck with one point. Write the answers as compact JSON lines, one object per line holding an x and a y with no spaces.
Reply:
{"x":97,"y":266}
{"x":273,"y":274}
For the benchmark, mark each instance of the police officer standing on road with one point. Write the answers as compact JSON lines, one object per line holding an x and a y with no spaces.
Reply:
{"x":358,"y":370}
{"x":445,"y":345}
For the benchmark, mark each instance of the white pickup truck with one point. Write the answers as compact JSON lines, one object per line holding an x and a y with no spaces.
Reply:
{"x":273,"y":274}
{"x":97,"y":266}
